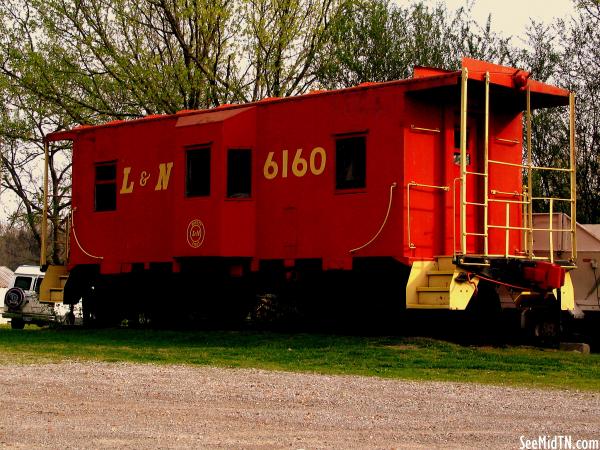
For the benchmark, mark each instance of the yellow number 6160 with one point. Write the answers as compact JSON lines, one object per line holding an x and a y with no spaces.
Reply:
{"x":299,"y":166}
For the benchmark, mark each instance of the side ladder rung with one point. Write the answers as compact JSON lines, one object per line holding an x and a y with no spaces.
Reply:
{"x":557,"y":230}
{"x":476,"y":173}
{"x":475,"y":204}
{"x":516,"y":202}
{"x":556,"y":199}
{"x":504,"y":227}
{"x":526,"y":166}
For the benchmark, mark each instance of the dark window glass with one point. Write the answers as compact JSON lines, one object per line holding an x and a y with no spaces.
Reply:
{"x":105,"y":191}
{"x":38,"y":284}
{"x":239,"y":173}
{"x":457,"y":158}
{"x":457,"y":137}
{"x":350,"y":163}
{"x":106,"y":172}
{"x":197,"y":181}
{"x":23,"y":283}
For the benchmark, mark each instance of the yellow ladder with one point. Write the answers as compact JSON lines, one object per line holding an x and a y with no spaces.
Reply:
{"x":527,"y":199}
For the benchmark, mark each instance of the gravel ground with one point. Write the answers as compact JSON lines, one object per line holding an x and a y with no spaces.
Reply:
{"x":104,"y":405}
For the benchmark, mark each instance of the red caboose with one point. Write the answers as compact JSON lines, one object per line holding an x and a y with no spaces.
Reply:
{"x":353,"y":193}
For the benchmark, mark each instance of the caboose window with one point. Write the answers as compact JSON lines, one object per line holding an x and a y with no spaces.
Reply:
{"x":197,"y":180}
{"x":239,"y":173}
{"x":105,"y":189}
{"x":350,"y":163}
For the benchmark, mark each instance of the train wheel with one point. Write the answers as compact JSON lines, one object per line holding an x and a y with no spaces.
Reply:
{"x":546,"y":329}
{"x":484,"y":314}
{"x":542,"y":325}
{"x":88,"y":306}
{"x":17,"y":324}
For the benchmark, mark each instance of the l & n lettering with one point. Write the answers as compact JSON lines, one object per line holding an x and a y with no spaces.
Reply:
{"x":162,"y":183}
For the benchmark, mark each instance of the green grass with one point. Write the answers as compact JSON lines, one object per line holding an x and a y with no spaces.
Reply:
{"x":398,"y":357}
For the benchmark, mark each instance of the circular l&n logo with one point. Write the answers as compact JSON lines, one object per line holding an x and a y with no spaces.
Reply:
{"x":195,"y":233}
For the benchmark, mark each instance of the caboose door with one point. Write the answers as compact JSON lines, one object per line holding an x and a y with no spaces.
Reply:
{"x":474,"y":183}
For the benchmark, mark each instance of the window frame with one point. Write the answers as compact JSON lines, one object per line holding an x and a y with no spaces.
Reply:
{"x":347,"y":136}
{"x":38,"y":284}
{"x":186,"y":188}
{"x":19,"y":285}
{"x":228,"y":195}
{"x":105,"y":182}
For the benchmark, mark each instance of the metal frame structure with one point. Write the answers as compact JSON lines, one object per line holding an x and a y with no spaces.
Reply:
{"x":43,"y":250}
{"x":527,"y":198}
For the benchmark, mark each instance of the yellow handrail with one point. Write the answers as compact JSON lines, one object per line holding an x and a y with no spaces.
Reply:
{"x":463,"y":159}
{"x":387,"y":215}
{"x":454,"y":215}
{"x":507,"y":141}
{"x":43,"y":257}
{"x":486,"y":158}
{"x":427,"y":130}
{"x":572,"y":163}
{"x":77,"y":240}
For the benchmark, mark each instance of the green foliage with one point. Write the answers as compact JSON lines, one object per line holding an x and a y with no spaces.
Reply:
{"x":567,"y":53}
{"x":103,"y":59}
{"x":407,"y":358}
{"x":375,"y":40}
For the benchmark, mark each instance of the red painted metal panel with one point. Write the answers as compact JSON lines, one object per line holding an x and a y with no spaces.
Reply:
{"x":297,"y":213}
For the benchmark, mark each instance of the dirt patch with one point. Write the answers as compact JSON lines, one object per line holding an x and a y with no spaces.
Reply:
{"x":103,"y":405}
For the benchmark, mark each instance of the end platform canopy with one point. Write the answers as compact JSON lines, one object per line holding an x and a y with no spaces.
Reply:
{"x":508,"y":85}
{"x":508,"y":88}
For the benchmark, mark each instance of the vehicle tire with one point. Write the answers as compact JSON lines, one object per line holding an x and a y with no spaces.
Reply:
{"x":69,"y":318}
{"x":14,"y":298}
{"x":17,"y":324}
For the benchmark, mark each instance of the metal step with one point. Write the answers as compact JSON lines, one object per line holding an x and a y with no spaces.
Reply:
{"x":56,"y":294}
{"x":444,"y":262}
{"x":433,"y":296}
{"x":419,"y":306}
{"x":439,"y":278}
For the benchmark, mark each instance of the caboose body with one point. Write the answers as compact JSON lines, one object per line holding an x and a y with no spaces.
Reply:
{"x":375,"y":182}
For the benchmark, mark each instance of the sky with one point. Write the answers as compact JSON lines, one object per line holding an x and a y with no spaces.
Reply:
{"x":509,"y":17}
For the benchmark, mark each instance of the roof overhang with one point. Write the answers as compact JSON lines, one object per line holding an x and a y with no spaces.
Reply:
{"x":505,"y":80}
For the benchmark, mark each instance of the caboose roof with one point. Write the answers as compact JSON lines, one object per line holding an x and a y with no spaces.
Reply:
{"x":506,"y":84}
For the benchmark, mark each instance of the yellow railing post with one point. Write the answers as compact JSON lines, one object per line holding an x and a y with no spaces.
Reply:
{"x":485,"y":169}
{"x":507,"y":232}
{"x":67,"y":237}
{"x":529,"y":178}
{"x":463,"y":160}
{"x":526,"y":224}
{"x":573,"y":176}
{"x":550,"y":233}
{"x":43,"y":257}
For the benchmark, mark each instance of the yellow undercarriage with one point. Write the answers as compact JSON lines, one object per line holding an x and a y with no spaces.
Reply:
{"x":434,"y":285}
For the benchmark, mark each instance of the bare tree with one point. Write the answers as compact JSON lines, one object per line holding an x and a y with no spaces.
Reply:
{"x":68,"y":62}
{"x":22,"y":126}
{"x":567,"y":53}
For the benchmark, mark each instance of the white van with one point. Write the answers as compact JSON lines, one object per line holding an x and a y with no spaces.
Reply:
{"x":22,"y":305}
